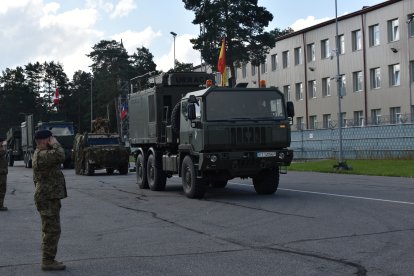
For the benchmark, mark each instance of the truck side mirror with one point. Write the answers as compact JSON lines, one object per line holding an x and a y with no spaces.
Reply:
{"x":191,"y":111}
{"x":290,"y":109}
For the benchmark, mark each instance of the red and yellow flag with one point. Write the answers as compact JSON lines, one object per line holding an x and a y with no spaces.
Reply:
{"x":222,"y":63}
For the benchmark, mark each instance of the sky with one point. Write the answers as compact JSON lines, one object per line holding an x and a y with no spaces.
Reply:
{"x":65,"y":31}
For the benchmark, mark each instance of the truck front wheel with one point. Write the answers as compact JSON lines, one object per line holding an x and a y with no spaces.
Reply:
{"x":10,"y":159}
{"x":266,"y":183}
{"x":141,"y":170}
{"x":155,"y":175}
{"x":193,"y":187}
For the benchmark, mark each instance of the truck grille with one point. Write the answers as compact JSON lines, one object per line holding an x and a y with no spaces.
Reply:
{"x":246,"y":135}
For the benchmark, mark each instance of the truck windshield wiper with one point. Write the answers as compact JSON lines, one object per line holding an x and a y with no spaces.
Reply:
{"x":265,"y":118}
{"x":242,"y":118}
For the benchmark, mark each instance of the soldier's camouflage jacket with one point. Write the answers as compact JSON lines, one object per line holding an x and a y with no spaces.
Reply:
{"x":3,"y":161}
{"x":47,"y":176}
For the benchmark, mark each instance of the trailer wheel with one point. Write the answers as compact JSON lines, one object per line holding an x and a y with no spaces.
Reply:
{"x":193,"y":187}
{"x":109,"y":170}
{"x":175,"y":119}
{"x":155,"y":175}
{"x":266,"y":182}
{"x":89,"y":168}
{"x":10,"y":160}
{"x":141,"y":169}
{"x":123,"y":169}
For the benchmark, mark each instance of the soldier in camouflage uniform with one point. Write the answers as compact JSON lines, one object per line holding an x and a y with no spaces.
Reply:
{"x":3,"y":175}
{"x":50,"y":189}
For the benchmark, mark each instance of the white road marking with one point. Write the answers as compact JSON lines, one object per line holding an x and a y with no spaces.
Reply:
{"x":337,"y":195}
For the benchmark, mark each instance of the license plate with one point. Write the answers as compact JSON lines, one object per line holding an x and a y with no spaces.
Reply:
{"x":266,"y":154}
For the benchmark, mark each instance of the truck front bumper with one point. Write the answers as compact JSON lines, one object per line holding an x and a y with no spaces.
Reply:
{"x":247,"y":163}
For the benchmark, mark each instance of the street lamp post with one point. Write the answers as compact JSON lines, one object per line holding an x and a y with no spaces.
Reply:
{"x":91,"y":106}
{"x":174,"y":35}
{"x":341,"y":163}
{"x":409,"y":21}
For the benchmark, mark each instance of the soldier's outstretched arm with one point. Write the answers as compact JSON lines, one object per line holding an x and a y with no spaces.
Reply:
{"x":52,"y":157}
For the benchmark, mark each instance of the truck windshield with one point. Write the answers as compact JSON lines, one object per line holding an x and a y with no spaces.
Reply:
{"x":61,"y":130}
{"x":244,"y":105}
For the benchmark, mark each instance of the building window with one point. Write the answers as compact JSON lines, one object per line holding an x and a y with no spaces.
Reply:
{"x":412,"y":71}
{"x":263,"y":67}
{"x":325,"y":51}
{"x":342,"y":85}
{"x":357,"y":76}
{"x":299,"y":123}
{"x":285,"y":57}
{"x":342,"y":120}
{"x":298,"y":56}
{"x":273,"y":60}
{"x":393,"y":30}
{"x":326,"y":119}
{"x":374,"y":35}
{"x":376,"y":116}
{"x":326,"y":87}
{"x":375,"y":78}
{"x":410,"y":21}
{"x":312,"y":89}
{"x":286,"y":91}
{"x":341,"y":44}
{"x":244,"y":71}
{"x":395,"y":115}
{"x":299,"y":91}
{"x":311,"y":52}
{"x":394,"y":74}
{"x":356,"y":40}
{"x":253,"y":70}
{"x":359,"y":118}
{"x":313,"y":122}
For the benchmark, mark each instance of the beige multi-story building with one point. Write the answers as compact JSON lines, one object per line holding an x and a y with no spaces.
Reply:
{"x":375,"y":52}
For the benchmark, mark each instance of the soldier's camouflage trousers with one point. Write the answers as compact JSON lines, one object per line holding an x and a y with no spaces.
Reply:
{"x":3,"y":187}
{"x":50,"y":214}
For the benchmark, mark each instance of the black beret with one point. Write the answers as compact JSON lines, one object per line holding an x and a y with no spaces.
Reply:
{"x":43,"y":134}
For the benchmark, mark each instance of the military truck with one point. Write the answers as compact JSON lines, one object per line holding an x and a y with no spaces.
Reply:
{"x":100,"y":150}
{"x":14,"y":145}
{"x":63,"y":131}
{"x":209,"y":136}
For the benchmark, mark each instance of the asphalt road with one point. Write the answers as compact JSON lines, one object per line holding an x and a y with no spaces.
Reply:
{"x":316,"y":224}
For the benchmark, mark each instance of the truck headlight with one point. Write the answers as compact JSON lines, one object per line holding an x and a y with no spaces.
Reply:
{"x":213,"y":158}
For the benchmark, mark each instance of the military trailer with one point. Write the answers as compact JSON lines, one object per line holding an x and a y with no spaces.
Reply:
{"x":100,"y":150}
{"x":208,"y":136}
{"x":14,"y":145}
{"x":63,"y":131}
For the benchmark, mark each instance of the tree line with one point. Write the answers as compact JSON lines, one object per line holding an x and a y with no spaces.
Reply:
{"x":29,"y":89}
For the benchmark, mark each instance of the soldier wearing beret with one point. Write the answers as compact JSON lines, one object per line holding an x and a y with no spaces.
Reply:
{"x":50,"y":189}
{"x":3,"y":175}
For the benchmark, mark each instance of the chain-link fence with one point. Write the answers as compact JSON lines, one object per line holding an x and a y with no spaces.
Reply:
{"x":367,"y":142}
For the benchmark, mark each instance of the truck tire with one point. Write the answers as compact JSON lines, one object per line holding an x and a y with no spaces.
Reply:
{"x":193,"y":187}
{"x":141,"y":171}
{"x":175,"y":119}
{"x":266,"y":183}
{"x":155,"y":175}
{"x":109,"y":171}
{"x":89,"y":168}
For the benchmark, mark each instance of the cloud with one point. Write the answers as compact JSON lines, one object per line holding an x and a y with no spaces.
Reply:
{"x":34,"y":31}
{"x":307,"y":22}
{"x":133,"y":40}
{"x":123,"y":8}
{"x":184,"y":53}
{"x":120,"y":9}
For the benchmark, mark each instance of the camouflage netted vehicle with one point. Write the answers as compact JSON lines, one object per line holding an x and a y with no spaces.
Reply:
{"x":99,"y":150}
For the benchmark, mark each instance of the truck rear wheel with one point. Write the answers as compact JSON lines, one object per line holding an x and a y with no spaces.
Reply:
{"x":10,"y":160}
{"x":155,"y":175}
{"x":141,"y":170}
{"x":89,"y":168}
{"x":123,"y":169}
{"x":193,"y":187}
{"x":266,"y":183}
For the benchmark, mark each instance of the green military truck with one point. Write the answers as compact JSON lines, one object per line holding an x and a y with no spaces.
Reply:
{"x":100,"y":150}
{"x":209,"y":136}
{"x":62,"y":130}
{"x":14,"y":145}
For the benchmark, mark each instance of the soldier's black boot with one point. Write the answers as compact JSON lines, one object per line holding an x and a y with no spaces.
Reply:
{"x":52,"y":265}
